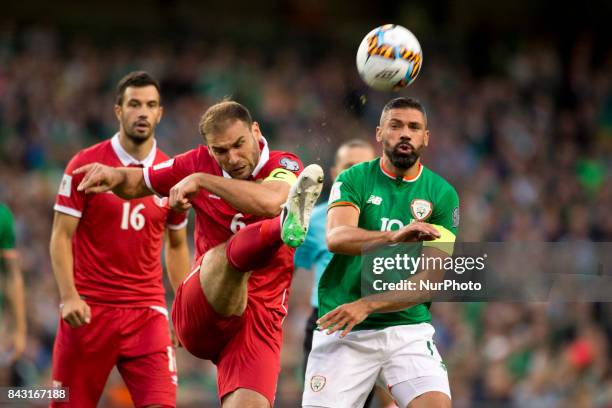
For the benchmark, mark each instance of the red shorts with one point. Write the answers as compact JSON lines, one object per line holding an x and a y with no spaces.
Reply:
{"x":136,"y":340}
{"x":246,"y":349}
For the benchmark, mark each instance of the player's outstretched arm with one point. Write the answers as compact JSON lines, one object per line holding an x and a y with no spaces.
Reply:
{"x":262,"y":199}
{"x":125,"y":182}
{"x":344,"y":237}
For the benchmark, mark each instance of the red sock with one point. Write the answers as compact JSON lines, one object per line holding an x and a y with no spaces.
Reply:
{"x":252,"y":247}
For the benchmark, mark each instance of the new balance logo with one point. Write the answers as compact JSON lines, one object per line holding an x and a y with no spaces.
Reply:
{"x":375,"y":200}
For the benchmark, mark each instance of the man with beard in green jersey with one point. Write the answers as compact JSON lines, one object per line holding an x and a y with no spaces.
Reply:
{"x":392,"y":199}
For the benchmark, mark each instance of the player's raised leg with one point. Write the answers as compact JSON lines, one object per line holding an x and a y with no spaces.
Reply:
{"x":225,"y":269}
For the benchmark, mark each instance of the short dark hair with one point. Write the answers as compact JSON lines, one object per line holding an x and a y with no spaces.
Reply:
{"x":352,"y":143}
{"x":355,"y":143}
{"x":403,"y":103}
{"x":137,"y":79}
{"x":221,"y":115}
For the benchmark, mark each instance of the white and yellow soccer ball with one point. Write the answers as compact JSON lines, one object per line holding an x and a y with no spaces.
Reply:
{"x":389,"y":58}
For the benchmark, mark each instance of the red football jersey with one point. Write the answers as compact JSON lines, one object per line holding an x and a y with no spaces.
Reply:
{"x":216,"y":220}
{"x":117,"y":245}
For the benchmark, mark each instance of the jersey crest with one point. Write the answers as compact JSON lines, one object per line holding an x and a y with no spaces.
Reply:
{"x":317,"y":382}
{"x":421,"y":209}
{"x":289,"y":164}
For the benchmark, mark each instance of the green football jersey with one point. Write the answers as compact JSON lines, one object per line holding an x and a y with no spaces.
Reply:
{"x":7,"y":230}
{"x":386,"y":203}
{"x":7,"y":242}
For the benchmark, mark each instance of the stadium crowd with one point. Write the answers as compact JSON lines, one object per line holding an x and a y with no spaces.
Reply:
{"x":528,"y":148}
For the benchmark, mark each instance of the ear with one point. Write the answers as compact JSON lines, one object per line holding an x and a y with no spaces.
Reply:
{"x":256,"y":131}
{"x":117,"y":110}
{"x":426,"y":138}
{"x":378,"y":134}
{"x":161,"y":113}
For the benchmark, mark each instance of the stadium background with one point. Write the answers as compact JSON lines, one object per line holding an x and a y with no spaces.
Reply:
{"x":520,"y":109}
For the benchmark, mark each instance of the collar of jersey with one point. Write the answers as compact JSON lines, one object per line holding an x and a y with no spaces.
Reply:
{"x":406,"y":179}
{"x":126,"y":159}
{"x":263,"y":158}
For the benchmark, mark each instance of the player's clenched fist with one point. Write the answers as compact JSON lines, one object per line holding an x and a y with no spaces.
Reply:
{"x":75,"y":312}
{"x":416,"y":231}
{"x":98,"y":178}
{"x":183,"y":191}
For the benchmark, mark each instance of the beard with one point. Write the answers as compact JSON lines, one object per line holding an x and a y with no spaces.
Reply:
{"x":138,"y":137}
{"x":400,"y":159}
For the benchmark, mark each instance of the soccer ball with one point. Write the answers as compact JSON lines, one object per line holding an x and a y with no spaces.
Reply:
{"x":389,"y":58}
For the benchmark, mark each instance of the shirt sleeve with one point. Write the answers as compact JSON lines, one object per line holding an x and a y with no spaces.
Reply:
{"x":177,"y":220}
{"x":161,"y":177}
{"x":68,"y":200}
{"x":445,"y":219}
{"x":7,"y":229}
{"x":344,"y":191}
{"x":283,"y":166}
